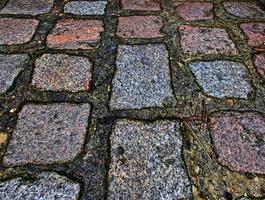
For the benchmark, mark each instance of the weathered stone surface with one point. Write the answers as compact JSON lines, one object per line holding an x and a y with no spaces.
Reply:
{"x":259,"y":62}
{"x":75,"y":34}
{"x":47,"y":134}
{"x":142,"y":78}
{"x":10,"y":66}
{"x":27,"y":7}
{"x":239,"y":140}
{"x":45,"y":186}
{"x":205,"y":41}
{"x":148,"y":5}
{"x":140,"y":27}
{"x":146,"y":161}
{"x":61,"y":72}
{"x":17,"y":31}
{"x":85,"y":7}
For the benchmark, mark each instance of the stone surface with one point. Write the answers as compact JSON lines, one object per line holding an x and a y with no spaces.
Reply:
{"x":142,"y":5}
{"x":75,"y":34}
{"x":17,"y":31}
{"x":146,"y":161}
{"x":45,"y":186}
{"x":27,"y":7}
{"x":222,"y":78}
{"x":61,"y":72}
{"x":10,"y":66}
{"x":47,"y":134}
{"x":191,"y":11}
{"x":205,"y":41}
{"x":140,"y":27}
{"x":259,"y":62}
{"x":142,"y":78}
{"x":85,"y":7}
{"x":239,"y":140}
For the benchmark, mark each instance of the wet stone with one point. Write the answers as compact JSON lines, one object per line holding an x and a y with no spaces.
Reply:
{"x":146,"y":5}
{"x":48,"y":134}
{"x":146,"y":161}
{"x":10,"y":66}
{"x":142,"y":78}
{"x":46,"y":185}
{"x":239,"y":140}
{"x":259,"y":62}
{"x":61,"y":72}
{"x":222,"y":78}
{"x":206,"y":41}
{"x":85,"y":8}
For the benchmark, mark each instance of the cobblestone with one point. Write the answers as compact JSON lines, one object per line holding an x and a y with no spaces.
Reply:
{"x":259,"y":61}
{"x":146,"y":5}
{"x":85,"y":8}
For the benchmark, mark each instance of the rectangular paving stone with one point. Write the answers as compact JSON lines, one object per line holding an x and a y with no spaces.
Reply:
{"x":146,"y":161}
{"x":141,"y":5}
{"x":142,"y":78}
{"x":85,"y":7}
{"x":48,"y":134}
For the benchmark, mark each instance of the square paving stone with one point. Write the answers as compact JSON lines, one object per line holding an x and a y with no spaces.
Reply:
{"x":44,"y":186}
{"x":48,"y":134}
{"x":146,"y":161}
{"x":142,"y":5}
{"x":61,"y":72}
{"x":142,"y":78}
{"x":259,"y":62}
{"x":10,"y":66}
{"x":205,"y":41}
{"x":85,"y":7}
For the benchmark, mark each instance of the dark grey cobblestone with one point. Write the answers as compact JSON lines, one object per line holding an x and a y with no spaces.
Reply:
{"x":85,"y":7}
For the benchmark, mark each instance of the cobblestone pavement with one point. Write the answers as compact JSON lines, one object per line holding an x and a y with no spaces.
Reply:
{"x":132,"y":99}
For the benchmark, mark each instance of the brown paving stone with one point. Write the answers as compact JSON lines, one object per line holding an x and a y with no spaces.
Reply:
{"x":148,"y":5}
{"x":259,"y":62}
{"x":75,"y":34}
{"x":17,"y":31}
{"x":140,"y":27}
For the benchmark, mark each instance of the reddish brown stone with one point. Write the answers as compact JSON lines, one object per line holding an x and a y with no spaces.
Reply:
{"x":140,"y":27}
{"x":259,"y":61}
{"x":151,"y":5}
{"x":75,"y":34}
{"x":17,"y":31}
{"x":191,"y":11}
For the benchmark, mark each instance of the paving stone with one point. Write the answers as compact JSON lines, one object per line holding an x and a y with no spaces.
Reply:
{"x":75,"y":34}
{"x":205,"y":41}
{"x":27,"y":7}
{"x":141,"y":5}
{"x":85,"y":8}
{"x":10,"y":66}
{"x":45,"y":186}
{"x":191,"y":11}
{"x":142,"y":78}
{"x":146,"y":161}
{"x":222,"y":78}
{"x":140,"y":27}
{"x":244,"y":9}
{"x":61,"y":72}
{"x":239,"y":140}
{"x":259,"y":62}
{"x":17,"y":31}
{"x":47,"y":134}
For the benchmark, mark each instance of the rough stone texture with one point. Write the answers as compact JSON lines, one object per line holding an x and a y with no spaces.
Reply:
{"x":61,"y":72}
{"x":27,"y":7}
{"x":75,"y":34}
{"x":17,"y":31}
{"x":239,"y":139}
{"x":10,"y":66}
{"x":142,"y":78}
{"x":142,"y":5}
{"x":191,"y":11}
{"x":222,"y":78}
{"x":259,"y":62}
{"x":85,"y":8}
{"x":140,"y":27}
{"x":45,"y":186}
{"x":244,"y":9}
{"x":47,"y":134}
{"x":146,"y":161}
{"x":205,"y":41}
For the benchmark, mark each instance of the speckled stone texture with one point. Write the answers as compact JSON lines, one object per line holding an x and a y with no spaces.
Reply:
{"x":142,"y":78}
{"x":206,"y":41}
{"x":222,"y":78}
{"x":141,"y":5}
{"x":146,"y":161}
{"x":45,"y":186}
{"x":10,"y":66}
{"x":259,"y":62}
{"x":47,"y":134}
{"x":239,"y":139}
{"x":61,"y":72}
{"x":85,"y":7}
